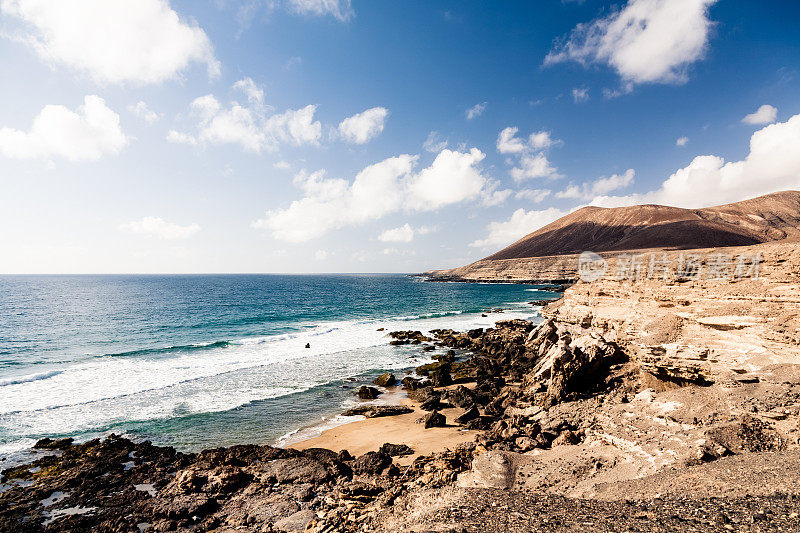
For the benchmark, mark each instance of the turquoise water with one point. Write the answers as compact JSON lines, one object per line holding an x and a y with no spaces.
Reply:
{"x":200,"y":361}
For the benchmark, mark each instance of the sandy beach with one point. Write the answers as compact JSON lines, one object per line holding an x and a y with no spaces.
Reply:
{"x":368,"y":435}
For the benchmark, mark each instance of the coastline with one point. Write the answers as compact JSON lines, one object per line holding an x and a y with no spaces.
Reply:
{"x":632,"y":406}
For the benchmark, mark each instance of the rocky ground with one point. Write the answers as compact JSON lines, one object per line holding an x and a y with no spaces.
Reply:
{"x":637,"y":405}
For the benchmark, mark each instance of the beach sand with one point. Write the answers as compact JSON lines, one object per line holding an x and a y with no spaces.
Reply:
{"x":368,"y":435}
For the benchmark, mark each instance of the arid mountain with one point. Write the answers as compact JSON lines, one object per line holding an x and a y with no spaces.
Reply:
{"x":550,"y":252}
{"x":766,"y":218}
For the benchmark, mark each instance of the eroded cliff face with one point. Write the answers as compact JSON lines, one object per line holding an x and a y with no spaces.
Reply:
{"x":704,"y":401}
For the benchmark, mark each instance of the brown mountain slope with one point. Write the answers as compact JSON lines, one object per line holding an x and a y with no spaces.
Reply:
{"x":766,"y":218}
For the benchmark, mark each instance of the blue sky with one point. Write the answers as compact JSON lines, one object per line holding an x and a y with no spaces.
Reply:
{"x":337,"y":136}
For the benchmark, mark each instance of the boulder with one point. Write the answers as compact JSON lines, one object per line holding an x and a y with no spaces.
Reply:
{"x":385,"y":380}
{"x":393,"y":450}
{"x":433,"y":419}
{"x":375,"y":411}
{"x":470,"y":414}
{"x":367,"y":393}
{"x":371,"y":463}
{"x":410,"y":383}
{"x":461,"y":397}
{"x":51,"y":444}
{"x":441,"y":377}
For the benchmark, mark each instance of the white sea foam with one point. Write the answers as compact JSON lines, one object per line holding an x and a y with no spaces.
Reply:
{"x":28,"y":377}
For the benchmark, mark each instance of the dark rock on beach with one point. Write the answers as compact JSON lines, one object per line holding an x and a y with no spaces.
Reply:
{"x":434,"y":419}
{"x":367,"y":393}
{"x":385,"y":380}
{"x":375,"y":411}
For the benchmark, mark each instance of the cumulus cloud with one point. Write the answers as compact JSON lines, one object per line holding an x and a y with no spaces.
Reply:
{"x":598,"y":187}
{"x":143,"y":111}
{"x":434,"y":143}
{"x":339,"y":9}
{"x":362,"y":127}
{"x":533,"y":166}
{"x":160,"y":228}
{"x":509,"y":143}
{"x":86,"y":134}
{"x":773,"y":164}
{"x":476,"y":111}
{"x":520,"y":224}
{"x":682,"y":141}
{"x":766,"y":114}
{"x":531,"y":162}
{"x":248,"y":125}
{"x":113,"y":41}
{"x":648,"y":41}
{"x":404,"y":233}
{"x":534,"y":195}
{"x":385,"y":187}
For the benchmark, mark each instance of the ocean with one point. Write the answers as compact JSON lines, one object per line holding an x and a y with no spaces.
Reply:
{"x":199,"y":361}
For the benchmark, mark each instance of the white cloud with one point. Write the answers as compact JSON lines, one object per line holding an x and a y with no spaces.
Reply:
{"x":248,"y":125}
{"x":682,"y":141}
{"x":580,"y":95}
{"x":254,"y":93}
{"x":113,"y":41}
{"x":296,"y":126}
{"x":339,"y":9}
{"x":362,"y":127}
{"x":404,"y":233}
{"x":534,"y":195}
{"x":282,"y":165}
{"x":87,"y":133}
{"x":476,"y":111}
{"x":520,"y":224}
{"x":598,"y":187}
{"x":452,"y":178}
{"x":534,"y":166}
{"x":434,"y":143}
{"x":158,"y":227}
{"x":320,"y":255}
{"x":492,"y":198}
{"x":142,"y":111}
{"x":648,"y":41}
{"x":178,"y":137}
{"x":531,"y":160}
{"x":766,"y":114}
{"x":509,"y":143}
{"x":386,"y":187}
{"x":773,"y":164}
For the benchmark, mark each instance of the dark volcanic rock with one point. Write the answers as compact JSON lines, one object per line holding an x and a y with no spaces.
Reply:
{"x":371,"y":463}
{"x":385,"y":380}
{"x":367,"y":393}
{"x":51,"y":444}
{"x":393,"y":450}
{"x":470,"y":414}
{"x":461,"y":397}
{"x":441,"y":376}
{"x":410,"y":383}
{"x":375,"y":411}
{"x":433,"y":420}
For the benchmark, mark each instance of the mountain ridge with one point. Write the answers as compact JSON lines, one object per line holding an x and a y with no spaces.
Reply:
{"x":766,"y":218}
{"x":550,"y":254}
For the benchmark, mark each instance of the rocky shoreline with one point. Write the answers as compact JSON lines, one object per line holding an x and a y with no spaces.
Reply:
{"x":621,"y":411}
